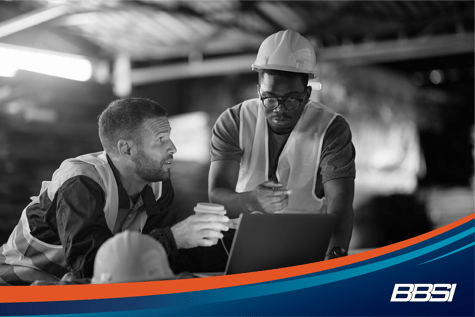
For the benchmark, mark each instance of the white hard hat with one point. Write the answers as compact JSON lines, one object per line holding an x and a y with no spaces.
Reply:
{"x":288,"y":51}
{"x":130,"y":256}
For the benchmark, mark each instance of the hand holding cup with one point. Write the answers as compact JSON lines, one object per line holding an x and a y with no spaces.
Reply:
{"x":210,"y":208}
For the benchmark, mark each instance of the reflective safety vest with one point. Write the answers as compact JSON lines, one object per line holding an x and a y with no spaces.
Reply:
{"x":298,"y":163}
{"x":23,"y":249}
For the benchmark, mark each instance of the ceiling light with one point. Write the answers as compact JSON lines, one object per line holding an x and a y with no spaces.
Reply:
{"x":13,"y":58}
{"x":436,"y":76}
{"x":7,"y":71}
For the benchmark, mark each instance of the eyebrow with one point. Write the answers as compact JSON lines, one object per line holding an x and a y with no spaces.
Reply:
{"x":275,"y":95}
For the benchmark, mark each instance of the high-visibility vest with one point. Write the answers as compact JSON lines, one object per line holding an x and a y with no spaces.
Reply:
{"x":298,"y":163}
{"x":23,"y":249}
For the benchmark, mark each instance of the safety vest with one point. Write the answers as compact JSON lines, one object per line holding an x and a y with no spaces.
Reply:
{"x":23,"y":249}
{"x":298,"y":163}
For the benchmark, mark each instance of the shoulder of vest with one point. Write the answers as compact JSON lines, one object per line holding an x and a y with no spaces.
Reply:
{"x":250,"y":103}
{"x":320,"y":106}
{"x":250,"y":106}
{"x":84,"y":165}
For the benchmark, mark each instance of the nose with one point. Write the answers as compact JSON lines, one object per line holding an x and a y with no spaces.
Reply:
{"x":280,"y":108}
{"x":173,"y":148}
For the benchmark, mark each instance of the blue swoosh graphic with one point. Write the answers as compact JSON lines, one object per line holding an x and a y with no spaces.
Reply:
{"x":200,"y":302}
{"x":241,"y":292}
{"x":455,"y":251}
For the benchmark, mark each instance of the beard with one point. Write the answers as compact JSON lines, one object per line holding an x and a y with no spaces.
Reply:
{"x":150,"y":170}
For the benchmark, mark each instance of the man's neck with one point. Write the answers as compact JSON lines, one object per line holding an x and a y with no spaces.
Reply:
{"x":134,"y":198}
{"x":132,"y":184}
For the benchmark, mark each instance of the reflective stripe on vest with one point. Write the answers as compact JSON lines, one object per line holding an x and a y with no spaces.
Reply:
{"x":25,"y":250}
{"x":297,"y":165}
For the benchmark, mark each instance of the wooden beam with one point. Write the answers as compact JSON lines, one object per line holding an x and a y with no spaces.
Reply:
{"x":32,"y":18}
{"x":218,"y":66}
{"x":397,"y":50}
{"x":359,"y":54}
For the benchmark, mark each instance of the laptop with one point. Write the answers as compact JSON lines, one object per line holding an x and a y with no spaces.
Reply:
{"x":272,"y":241}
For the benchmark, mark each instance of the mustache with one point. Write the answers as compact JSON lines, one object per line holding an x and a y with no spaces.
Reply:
{"x":169,"y":158}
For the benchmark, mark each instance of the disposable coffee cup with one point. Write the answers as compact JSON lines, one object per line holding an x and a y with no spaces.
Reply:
{"x":209,"y":208}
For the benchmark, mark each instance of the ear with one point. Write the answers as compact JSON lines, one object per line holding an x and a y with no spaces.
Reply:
{"x":258,"y":88}
{"x":124,"y":147}
{"x":309,"y":92}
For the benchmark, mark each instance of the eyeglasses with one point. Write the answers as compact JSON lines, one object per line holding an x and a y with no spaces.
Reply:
{"x":291,"y":103}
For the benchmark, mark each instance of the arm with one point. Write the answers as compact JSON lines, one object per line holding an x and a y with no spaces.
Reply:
{"x":80,"y":221}
{"x":223,"y":176}
{"x":338,"y":173}
{"x":222,"y":180}
{"x":225,"y":163}
{"x":158,"y":225}
{"x":339,"y":194}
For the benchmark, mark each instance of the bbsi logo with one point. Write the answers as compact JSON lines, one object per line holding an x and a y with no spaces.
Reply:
{"x":423,"y":292}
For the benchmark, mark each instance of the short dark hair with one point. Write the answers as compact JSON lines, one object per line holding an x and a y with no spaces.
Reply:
{"x":123,"y":118}
{"x":280,"y":73}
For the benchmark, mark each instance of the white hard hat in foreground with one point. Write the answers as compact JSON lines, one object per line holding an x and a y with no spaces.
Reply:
{"x":287,"y":51}
{"x":130,"y":256}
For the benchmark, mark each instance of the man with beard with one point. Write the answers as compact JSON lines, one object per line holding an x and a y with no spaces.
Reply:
{"x":94,"y":196}
{"x":281,"y":152}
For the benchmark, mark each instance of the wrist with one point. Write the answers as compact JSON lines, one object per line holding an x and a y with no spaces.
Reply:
{"x":166,"y":237}
{"x":249,"y":204}
{"x":336,"y":252}
{"x":175,"y":237}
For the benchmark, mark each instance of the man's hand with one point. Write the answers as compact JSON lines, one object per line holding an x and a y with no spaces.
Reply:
{"x":201,"y":230}
{"x":269,"y":197}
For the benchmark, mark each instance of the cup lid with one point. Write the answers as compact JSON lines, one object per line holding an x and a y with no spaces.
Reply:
{"x":209,"y":206}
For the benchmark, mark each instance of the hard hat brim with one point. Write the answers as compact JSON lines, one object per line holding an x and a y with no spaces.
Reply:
{"x":284,"y":68}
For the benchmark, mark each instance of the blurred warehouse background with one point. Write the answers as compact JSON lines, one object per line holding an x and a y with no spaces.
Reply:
{"x":401,"y":72}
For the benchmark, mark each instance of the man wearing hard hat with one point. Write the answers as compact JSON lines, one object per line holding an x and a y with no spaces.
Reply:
{"x":281,"y":152}
{"x":94,"y":196}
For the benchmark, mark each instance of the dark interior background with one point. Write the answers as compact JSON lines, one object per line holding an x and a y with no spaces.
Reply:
{"x":401,"y":72}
